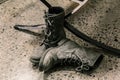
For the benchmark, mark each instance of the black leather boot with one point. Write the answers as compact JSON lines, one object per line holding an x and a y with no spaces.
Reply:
{"x":54,"y":19}
{"x":54,"y":32}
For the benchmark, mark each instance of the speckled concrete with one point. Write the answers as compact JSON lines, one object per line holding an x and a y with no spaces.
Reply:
{"x":2,"y":1}
{"x":100,"y":19}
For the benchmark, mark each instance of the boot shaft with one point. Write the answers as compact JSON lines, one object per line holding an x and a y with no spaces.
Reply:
{"x":54,"y":19}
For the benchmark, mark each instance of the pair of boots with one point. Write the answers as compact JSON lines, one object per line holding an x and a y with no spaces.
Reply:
{"x":57,"y":49}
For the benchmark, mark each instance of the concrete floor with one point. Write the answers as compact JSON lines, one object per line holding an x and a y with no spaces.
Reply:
{"x":99,"y":19}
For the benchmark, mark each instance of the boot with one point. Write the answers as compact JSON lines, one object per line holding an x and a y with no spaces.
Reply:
{"x":53,"y":33}
{"x":62,"y":50}
{"x":68,"y":53}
